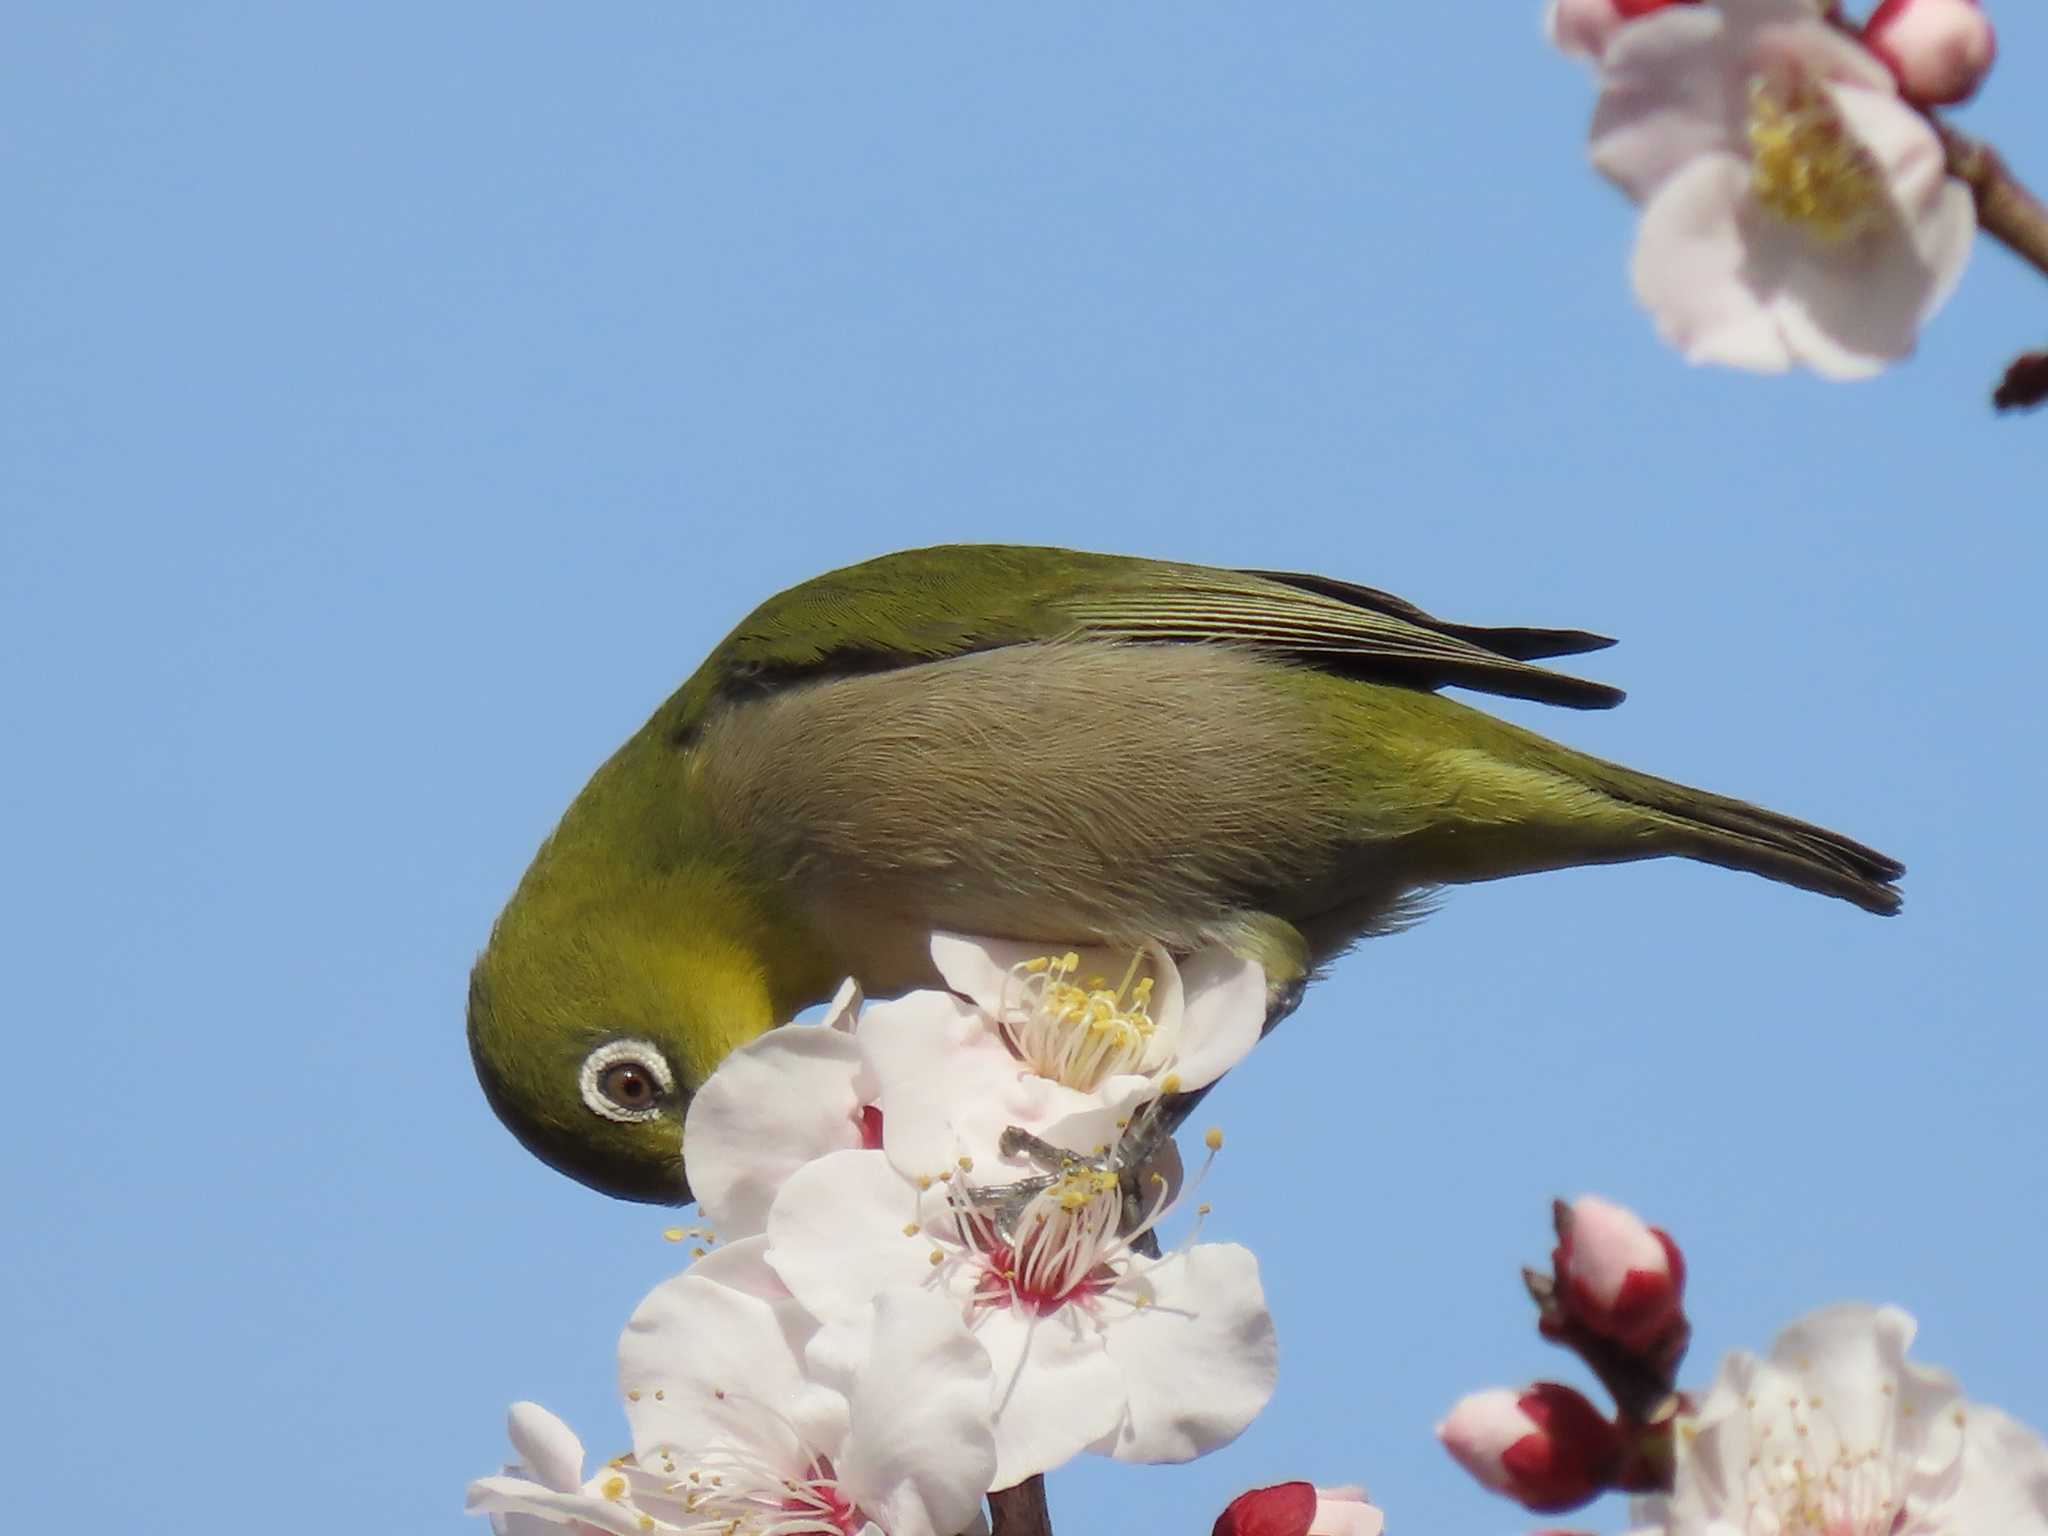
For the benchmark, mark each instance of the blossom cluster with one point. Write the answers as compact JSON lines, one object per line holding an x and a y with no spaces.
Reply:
{"x":940,"y":1271}
{"x":1834,"y":1433}
{"x":1798,"y":209}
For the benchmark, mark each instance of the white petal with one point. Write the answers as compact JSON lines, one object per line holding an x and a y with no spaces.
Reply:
{"x":702,"y":1365}
{"x":1940,"y":217}
{"x":1345,"y":1512}
{"x":836,"y":1236}
{"x":843,"y":1012}
{"x":1694,"y":269}
{"x":742,"y":1266}
{"x":773,"y":1105}
{"x":922,"y":1449}
{"x":979,"y":969}
{"x":1057,"y":1391}
{"x":1806,"y":48}
{"x":1200,"y":1361}
{"x":1945,"y":236}
{"x":1224,"y":1011}
{"x":948,"y":1087}
{"x":1664,"y":99}
{"x":1847,"y":321}
{"x":943,"y":1078}
{"x":512,"y":1496}
{"x":2005,"y":1478}
{"x":1853,"y":1358}
{"x":546,"y":1447}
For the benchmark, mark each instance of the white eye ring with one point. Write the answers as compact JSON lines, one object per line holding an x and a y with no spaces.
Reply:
{"x":638,"y":1053}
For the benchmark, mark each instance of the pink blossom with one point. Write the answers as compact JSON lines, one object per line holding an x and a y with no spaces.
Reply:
{"x":1796,"y":212}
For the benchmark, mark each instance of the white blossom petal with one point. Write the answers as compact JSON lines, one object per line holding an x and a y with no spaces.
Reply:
{"x":921,"y":1451}
{"x":511,"y":1501}
{"x":1664,"y":98}
{"x":1057,"y":1390}
{"x":703,"y":1365}
{"x":836,"y":1235}
{"x":773,"y":1105}
{"x":1222,"y":1015}
{"x":546,"y":1446}
{"x":1694,"y":268}
{"x":1199,"y":1361}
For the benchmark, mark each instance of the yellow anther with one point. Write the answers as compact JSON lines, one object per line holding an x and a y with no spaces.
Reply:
{"x":1212,"y":1138}
{"x":966,"y":1165}
{"x":911,"y":1229}
{"x":1807,"y":167}
{"x":614,"y":1488}
{"x":633,"y":1396}
{"x":673,"y":1234}
{"x":938,"y":1257}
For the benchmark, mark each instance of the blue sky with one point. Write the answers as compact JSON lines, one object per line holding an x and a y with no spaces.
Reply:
{"x":397,"y":401}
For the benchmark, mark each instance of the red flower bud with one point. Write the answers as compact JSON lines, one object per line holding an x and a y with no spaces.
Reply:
{"x":1299,"y":1509}
{"x":1546,"y":1447}
{"x":1618,"y":1278}
{"x":1285,"y":1509}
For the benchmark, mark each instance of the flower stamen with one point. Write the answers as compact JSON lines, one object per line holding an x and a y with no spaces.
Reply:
{"x":1806,"y":167}
{"x":1078,"y":1033}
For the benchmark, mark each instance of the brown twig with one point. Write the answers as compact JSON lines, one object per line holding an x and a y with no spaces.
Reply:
{"x":1020,"y":1511}
{"x":2006,"y":210}
{"x":2017,"y":220}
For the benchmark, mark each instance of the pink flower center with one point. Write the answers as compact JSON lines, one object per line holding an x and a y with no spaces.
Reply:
{"x":1059,"y":1251}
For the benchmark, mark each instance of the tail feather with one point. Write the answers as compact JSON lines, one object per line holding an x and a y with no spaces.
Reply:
{"x":1737,"y":835}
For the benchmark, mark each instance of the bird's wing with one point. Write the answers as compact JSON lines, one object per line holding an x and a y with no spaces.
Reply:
{"x":928,"y":604}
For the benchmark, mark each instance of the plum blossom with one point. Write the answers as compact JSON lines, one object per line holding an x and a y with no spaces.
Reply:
{"x":1094,"y":1346}
{"x":1299,"y":1509}
{"x":749,"y":1436}
{"x":1796,"y":211}
{"x":1837,"y":1433}
{"x":1065,"y":1045}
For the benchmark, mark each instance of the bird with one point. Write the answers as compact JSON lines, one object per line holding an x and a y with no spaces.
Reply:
{"x":1036,"y":743}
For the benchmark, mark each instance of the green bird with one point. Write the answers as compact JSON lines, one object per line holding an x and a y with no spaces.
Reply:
{"x":1038,"y":744}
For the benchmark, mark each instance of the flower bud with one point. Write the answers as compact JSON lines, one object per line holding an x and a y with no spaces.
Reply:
{"x":1299,"y":1509}
{"x":1940,"y":50}
{"x":1546,"y":1446}
{"x":1619,"y":1278}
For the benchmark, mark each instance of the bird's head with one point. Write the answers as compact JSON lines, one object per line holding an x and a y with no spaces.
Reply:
{"x":592,"y":1021}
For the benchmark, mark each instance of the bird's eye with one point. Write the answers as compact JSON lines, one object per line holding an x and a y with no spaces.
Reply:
{"x":628,"y":1085}
{"x":626,"y":1080}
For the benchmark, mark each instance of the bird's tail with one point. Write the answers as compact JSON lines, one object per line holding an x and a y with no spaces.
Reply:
{"x":1525,"y":803}
{"x":1736,"y":835}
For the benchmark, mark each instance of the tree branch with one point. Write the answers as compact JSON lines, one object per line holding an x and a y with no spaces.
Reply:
{"x":2006,"y":210}
{"x":2017,"y":220}
{"x":1020,"y":1511}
